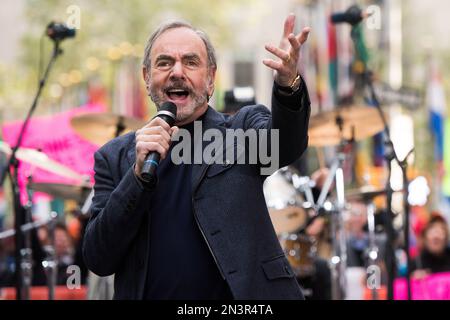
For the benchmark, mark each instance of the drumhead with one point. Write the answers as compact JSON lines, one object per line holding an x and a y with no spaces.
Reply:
{"x":283,"y":203}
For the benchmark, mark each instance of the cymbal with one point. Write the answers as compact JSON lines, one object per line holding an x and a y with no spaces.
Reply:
{"x":358,"y":122}
{"x":364,"y":193}
{"x":288,"y":219}
{"x":41,"y":161}
{"x":99,"y":128}
{"x":77,"y":192}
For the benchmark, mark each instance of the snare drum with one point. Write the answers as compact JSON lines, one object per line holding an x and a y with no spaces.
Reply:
{"x":301,"y":251}
{"x":284,"y":204}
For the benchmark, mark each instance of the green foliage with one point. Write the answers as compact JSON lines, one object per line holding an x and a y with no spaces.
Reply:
{"x":104,"y":25}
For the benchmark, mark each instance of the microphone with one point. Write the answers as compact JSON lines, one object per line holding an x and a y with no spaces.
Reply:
{"x":58,"y":31}
{"x":168,"y":113}
{"x":353,"y":16}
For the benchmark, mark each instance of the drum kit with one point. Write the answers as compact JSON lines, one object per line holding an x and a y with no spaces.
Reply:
{"x":293,"y":208}
{"x":96,"y":128}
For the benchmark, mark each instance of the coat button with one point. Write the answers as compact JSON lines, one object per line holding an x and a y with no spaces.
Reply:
{"x":286,"y":268}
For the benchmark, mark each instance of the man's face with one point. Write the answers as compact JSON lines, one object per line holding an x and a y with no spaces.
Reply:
{"x":435,"y":238}
{"x":179,"y":73}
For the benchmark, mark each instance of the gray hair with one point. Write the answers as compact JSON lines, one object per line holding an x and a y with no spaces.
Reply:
{"x":212,"y":63}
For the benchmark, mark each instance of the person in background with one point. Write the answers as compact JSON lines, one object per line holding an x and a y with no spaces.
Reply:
{"x":237,"y":98}
{"x":6,"y":262}
{"x":64,"y":249}
{"x":434,"y":255}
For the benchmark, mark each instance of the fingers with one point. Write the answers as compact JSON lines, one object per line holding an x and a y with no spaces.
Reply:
{"x":295,"y":44}
{"x":165,"y":143}
{"x":283,"y":55}
{"x":153,"y":137}
{"x":288,"y":51}
{"x":297,"y":41}
{"x":303,"y":36}
{"x":153,"y":131}
{"x":149,"y":143}
{"x":289,"y":25}
{"x":144,"y":148}
{"x":174,"y":130}
{"x":273,"y":64}
{"x":158,"y":122}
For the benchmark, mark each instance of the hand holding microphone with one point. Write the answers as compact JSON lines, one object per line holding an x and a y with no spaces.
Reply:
{"x":153,"y":142}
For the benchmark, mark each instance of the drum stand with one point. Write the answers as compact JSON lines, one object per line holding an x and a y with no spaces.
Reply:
{"x":322,"y":207}
{"x":339,"y":259}
{"x":27,"y":261}
{"x":373,"y":250}
{"x":50,"y":263}
{"x":26,"y":252}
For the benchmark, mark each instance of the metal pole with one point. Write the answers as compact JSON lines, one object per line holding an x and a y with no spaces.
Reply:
{"x":373,"y":249}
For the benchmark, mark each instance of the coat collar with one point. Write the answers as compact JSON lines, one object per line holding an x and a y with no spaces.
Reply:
{"x":211,"y":119}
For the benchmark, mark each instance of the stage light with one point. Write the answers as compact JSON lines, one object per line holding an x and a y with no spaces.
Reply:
{"x":56,"y":90}
{"x":138,"y":50}
{"x":92,"y":64}
{"x":418,"y":191}
{"x":126,"y":48}
{"x":335,"y":260}
{"x":64,"y":79}
{"x":75,"y":76}
{"x":114,"y":53}
{"x":328,"y":206}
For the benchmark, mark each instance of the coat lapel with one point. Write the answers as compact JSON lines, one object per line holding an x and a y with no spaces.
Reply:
{"x":212,"y":119}
{"x":131,"y":153}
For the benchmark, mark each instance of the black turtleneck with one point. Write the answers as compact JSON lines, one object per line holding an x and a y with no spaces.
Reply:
{"x":180,"y":263}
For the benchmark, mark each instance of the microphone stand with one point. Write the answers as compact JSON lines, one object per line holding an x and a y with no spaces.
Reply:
{"x":26,"y":265}
{"x":11,"y":169}
{"x":389,"y":155}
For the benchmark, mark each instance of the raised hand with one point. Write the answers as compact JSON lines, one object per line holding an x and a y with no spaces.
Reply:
{"x":285,"y":69}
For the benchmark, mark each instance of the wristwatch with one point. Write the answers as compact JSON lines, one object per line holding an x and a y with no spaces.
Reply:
{"x":295,"y":85}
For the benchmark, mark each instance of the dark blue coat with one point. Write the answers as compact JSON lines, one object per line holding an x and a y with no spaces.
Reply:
{"x":227,"y":201}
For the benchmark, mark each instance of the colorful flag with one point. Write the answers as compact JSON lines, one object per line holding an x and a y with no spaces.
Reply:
{"x":437,"y":107}
{"x":446,"y":160}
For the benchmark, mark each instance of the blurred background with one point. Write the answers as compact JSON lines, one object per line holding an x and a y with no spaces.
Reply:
{"x":403,"y":44}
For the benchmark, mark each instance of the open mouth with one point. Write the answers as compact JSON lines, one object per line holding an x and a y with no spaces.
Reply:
{"x":177,"y":94}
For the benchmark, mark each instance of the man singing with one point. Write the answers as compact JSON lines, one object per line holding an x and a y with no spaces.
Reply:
{"x":203,"y":231}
